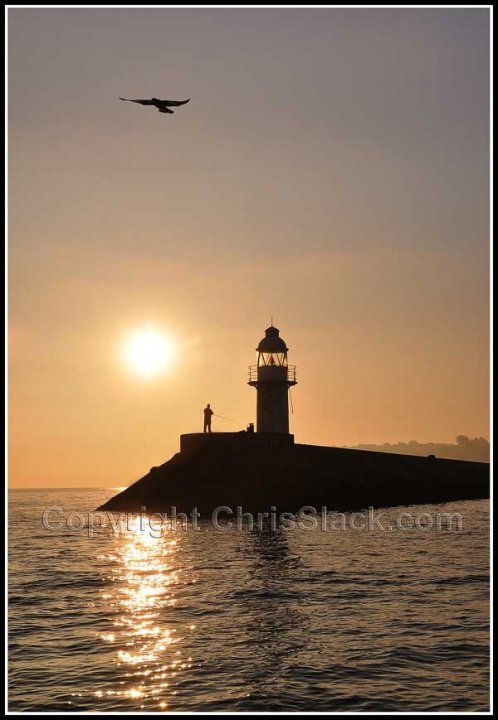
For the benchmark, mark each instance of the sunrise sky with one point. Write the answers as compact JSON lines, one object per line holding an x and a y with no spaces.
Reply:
{"x":331,"y":170}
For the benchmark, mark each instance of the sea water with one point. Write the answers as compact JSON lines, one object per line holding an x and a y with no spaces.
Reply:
{"x":296,"y":619}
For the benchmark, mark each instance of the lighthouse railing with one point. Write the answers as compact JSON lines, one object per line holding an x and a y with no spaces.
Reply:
{"x":269,"y":373}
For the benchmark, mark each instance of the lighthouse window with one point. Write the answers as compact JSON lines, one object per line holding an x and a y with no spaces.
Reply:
{"x":272,"y":359}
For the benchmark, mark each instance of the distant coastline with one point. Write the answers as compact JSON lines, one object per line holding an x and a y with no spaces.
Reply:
{"x":464,"y":448}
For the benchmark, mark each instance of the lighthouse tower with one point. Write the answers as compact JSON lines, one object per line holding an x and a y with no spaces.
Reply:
{"x":272,"y":377}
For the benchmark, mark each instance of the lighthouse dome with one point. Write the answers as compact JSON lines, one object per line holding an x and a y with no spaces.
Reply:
{"x":272,"y":342}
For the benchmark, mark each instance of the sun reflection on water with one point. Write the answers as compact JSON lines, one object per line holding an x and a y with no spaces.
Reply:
{"x":144,"y":572}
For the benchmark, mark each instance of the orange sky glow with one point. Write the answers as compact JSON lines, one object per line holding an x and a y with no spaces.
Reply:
{"x":331,"y":170}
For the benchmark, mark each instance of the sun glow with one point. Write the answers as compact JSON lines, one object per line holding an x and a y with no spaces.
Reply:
{"x":148,"y":352}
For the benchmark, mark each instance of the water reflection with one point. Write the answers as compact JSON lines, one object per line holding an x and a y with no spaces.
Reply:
{"x":144,"y":575}
{"x":275,"y":624}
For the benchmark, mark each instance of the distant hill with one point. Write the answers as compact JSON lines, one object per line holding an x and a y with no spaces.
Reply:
{"x":464,"y":448}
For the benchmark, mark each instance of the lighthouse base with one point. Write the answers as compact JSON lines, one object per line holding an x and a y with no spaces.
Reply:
{"x":226,"y":441}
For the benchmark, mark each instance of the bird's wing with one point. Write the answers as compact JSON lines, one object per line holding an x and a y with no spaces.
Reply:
{"x":142,"y":102}
{"x":174,"y":102}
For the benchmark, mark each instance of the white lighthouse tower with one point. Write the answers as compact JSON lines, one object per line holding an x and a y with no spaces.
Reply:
{"x":272,"y":377}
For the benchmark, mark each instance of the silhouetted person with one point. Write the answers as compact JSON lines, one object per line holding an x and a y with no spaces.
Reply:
{"x":250,"y":428}
{"x":208,"y":413}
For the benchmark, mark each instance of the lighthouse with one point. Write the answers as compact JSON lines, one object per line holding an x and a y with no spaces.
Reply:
{"x":272,"y":377}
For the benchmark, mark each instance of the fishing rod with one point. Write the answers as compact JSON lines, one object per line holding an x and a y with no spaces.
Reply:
{"x":224,"y":418}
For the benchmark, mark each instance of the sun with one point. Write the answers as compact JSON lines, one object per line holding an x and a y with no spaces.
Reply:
{"x":148,"y":352}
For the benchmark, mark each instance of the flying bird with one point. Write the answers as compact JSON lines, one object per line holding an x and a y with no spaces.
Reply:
{"x":162,"y":105}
